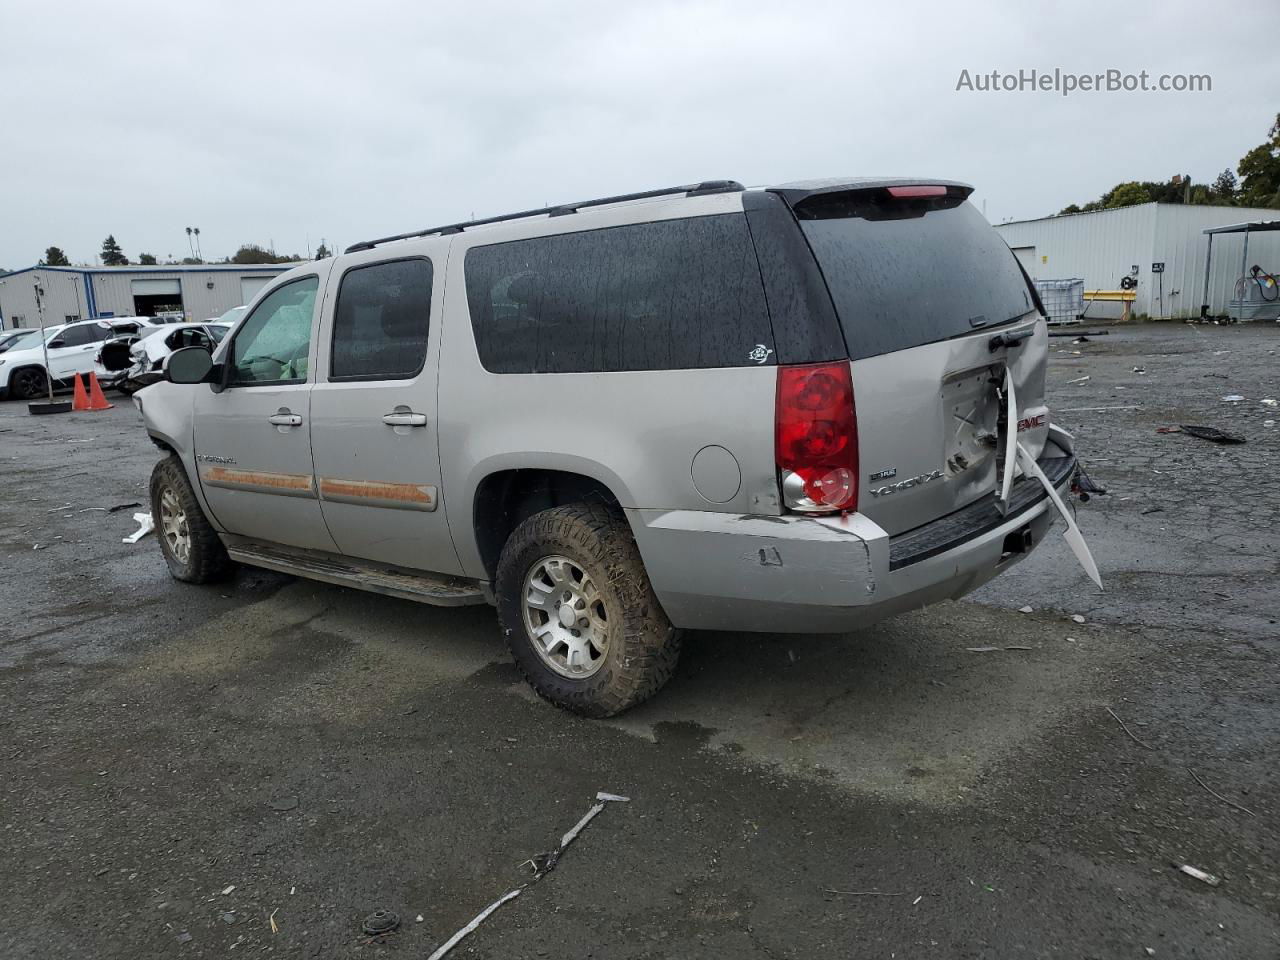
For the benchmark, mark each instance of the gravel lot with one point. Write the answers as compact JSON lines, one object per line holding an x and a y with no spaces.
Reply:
{"x":178,"y":764}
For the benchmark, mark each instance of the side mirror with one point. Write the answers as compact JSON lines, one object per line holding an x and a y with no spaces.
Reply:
{"x":58,"y":342}
{"x":188,"y":365}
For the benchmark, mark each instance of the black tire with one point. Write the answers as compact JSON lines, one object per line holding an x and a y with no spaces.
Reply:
{"x":642,"y":647}
{"x":28,"y":383}
{"x":206,"y":559}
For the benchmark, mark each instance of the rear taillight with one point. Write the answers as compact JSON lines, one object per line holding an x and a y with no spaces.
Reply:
{"x":816,"y":438}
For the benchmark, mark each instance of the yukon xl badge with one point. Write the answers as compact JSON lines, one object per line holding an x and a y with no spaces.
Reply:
{"x":883,"y":474}
{"x":906,"y":484}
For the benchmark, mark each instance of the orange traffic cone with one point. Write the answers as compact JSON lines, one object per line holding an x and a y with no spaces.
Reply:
{"x":80,"y":399}
{"x":96,"y":400}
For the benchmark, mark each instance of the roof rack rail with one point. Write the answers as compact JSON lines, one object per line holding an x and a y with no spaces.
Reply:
{"x":560,"y":210}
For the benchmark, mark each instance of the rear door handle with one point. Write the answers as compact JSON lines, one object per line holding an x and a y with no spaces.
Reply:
{"x":399,"y":419}
{"x":285,"y":419}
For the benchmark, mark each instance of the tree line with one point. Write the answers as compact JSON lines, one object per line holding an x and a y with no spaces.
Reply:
{"x":1258,"y":184}
{"x":113,"y":256}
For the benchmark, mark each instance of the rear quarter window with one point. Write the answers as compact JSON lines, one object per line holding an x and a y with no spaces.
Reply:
{"x":673,"y":294}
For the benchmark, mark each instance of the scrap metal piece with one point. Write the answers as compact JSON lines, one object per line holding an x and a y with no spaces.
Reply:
{"x":542,"y":865}
{"x":1073,"y":536}
{"x":1212,"y":434}
{"x":380,"y":922}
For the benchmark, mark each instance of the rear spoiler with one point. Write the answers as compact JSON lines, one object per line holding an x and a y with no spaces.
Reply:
{"x":794,"y":193}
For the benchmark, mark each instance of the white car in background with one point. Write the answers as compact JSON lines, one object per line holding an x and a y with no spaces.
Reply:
{"x":71,"y":349}
{"x":10,"y":338}
{"x":143,"y":363}
{"x":231,"y":317}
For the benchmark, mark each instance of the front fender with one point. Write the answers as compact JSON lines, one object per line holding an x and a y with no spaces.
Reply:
{"x":168,"y":414}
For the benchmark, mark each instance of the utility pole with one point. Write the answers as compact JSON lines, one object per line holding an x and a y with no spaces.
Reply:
{"x":44,"y":347}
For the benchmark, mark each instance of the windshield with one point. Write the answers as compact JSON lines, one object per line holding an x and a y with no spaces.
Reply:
{"x":232,"y":315}
{"x":908,"y":272}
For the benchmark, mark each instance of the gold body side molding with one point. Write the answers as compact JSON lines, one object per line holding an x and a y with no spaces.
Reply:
{"x":256,"y":481}
{"x":369,"y":493}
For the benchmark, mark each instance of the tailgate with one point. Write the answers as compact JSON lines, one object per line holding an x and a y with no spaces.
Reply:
{"x":927,"y":294}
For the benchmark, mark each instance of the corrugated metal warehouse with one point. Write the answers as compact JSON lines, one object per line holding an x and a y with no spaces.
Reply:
{"x":82,"y":293}
{"x":1105,"y":246}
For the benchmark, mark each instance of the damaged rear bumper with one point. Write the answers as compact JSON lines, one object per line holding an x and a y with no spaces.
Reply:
{"x":718,"y":571}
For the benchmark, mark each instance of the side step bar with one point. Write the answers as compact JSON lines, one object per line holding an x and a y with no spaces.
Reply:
{"x":436,"y":589}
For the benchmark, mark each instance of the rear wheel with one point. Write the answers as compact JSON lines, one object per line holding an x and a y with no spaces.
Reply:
{"x":28,"y":383}
{"x":579,"y":613}
{"x":188,"y":541}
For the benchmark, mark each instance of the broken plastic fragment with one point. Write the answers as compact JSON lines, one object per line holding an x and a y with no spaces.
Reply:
{"x":1199,"y":874}
{"x":145,"y":526}
{"x":1073,"y":536}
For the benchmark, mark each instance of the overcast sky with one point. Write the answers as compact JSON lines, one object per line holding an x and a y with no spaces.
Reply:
{"x":269,"y":122}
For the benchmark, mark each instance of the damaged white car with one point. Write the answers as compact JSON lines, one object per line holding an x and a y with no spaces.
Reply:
{"x":131,"y":363}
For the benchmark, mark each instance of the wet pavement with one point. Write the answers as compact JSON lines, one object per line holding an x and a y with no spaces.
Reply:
{"x":319,"y":753}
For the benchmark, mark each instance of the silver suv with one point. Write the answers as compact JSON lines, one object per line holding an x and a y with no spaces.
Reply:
{"x":779,"y":409}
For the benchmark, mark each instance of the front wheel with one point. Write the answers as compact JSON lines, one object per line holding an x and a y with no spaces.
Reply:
{"x":579,"y":614}
{"x":28,"y":383}
{"x":188,"y":541}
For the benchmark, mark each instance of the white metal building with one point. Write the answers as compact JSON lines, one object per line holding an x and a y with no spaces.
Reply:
{"x":80,"y":293}
{"x":1105,"y":246}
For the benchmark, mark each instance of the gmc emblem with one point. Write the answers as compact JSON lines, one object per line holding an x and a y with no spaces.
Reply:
{"x":1030,"y":423}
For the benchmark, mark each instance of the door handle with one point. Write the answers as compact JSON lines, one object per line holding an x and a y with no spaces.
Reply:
{"x":401,"y":419}
{"x":285,"y":419}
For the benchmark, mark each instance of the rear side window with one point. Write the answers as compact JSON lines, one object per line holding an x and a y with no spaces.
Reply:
{"x":380,"y":322}
{"x":83,"y":333}
{"x":669,"y":295}
{"x":908,"y":272}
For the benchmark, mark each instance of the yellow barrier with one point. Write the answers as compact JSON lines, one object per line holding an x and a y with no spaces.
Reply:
{"x":1114,"y":296}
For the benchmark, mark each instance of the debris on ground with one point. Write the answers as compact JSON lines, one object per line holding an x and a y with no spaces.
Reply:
{"x":418,"y":919}
{"x":1232,"y":398}
{"x":271,"y":919}
{"x":380,"y":922}
{"x":1077,"y":618}
{"x":1156,"y":509}
{"x":1078,"y":380}
{"x":1125,"y":728}
{"x":1083,"y":485}
{"x":1026,"y":610}
{"x":123,"y":506}
{"x":1080,"y":340}
{"x":145,"y":526}
{"x":543,"y":864}
{"x":981,"y":649}
{"x":863,"y":893}
{"x":1269,"y":402}
{"x":1139,"y":369}
{"x":1199,"y":874}
{"x":227,"y":890}
{"x":1229,"y":803}
{"x":1212,"y":434}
